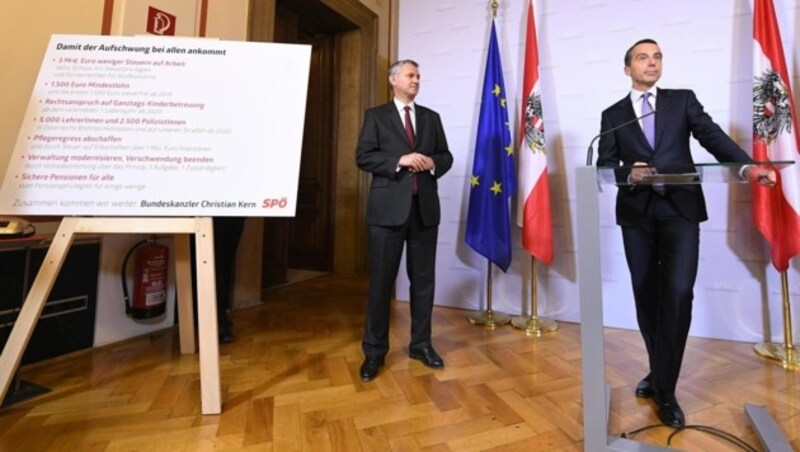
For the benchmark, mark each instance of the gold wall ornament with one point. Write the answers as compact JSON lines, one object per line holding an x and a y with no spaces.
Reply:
{"x":495,"y":5}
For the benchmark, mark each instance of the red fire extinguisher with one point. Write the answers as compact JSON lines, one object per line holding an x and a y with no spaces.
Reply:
{"x":150,"y":280}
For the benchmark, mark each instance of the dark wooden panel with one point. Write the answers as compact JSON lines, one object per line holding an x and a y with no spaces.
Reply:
{"x":316,"y":18}
{"x":311,"y":234}
{"x":308,"y":237}
{"x":68,"y":316}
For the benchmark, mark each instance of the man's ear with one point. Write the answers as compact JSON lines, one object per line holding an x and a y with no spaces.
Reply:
{"x":627,"y":71}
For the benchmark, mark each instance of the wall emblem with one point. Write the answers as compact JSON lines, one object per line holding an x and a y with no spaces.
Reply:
{"x":160,"y":22}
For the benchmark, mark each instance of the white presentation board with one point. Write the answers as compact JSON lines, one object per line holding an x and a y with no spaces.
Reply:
{"x":155,"y":126}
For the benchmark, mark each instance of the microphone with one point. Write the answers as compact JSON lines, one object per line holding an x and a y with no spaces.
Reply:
{"x":589,"y":152}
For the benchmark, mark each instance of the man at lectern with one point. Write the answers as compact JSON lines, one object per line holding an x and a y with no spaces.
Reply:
{"x":660,"y":224}
{"x":402,"y":144}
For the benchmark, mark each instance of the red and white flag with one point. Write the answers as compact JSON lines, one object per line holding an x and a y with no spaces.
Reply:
{"x":776,"y":211}
{"x":533,"y":200}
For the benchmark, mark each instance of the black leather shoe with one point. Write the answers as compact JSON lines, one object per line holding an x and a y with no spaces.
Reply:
{"x":670,"y":412}
{"x":225,"y":337}
{"x":370,"y":367}
{"x":225,"y":331}
{"x":644,"y":390}
{"x":428,"y":356}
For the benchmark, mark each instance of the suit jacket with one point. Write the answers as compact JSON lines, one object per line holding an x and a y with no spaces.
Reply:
{"x":381,"y":144}
{"x":679,"y":115}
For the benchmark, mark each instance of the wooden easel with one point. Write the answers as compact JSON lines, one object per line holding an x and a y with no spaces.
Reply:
{"x":206,"y":292}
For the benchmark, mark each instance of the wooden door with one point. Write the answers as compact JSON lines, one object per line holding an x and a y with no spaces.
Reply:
{"x":310,"y":237}
{"x":306,"y":241}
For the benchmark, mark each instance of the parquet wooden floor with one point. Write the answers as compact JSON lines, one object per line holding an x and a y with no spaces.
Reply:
{"x":290,"y":382}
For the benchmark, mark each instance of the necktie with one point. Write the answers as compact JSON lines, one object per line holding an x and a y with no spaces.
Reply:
{"x":412,"y":141}
{"x":648,"y":122}
{"x":409,"y":127}
{"x":649,"y":128}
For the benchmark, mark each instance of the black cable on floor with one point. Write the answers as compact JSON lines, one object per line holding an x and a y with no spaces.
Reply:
{"x":628,"y":435}
{"x":733,"y":439}
{"x":701,"y":428}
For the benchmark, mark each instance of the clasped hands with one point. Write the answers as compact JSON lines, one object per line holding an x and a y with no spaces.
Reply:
{"x":416,"y":162}
{"x":753,"y":173}
{"x":639,"y":171}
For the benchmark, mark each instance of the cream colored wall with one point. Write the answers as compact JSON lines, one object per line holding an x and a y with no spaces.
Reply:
{"x":227,"y":19}
{"x":25,"y":29}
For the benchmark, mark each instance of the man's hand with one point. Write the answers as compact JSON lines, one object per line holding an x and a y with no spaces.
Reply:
{"x":416,"y":162}
{"x":763,"y":176}
{"x":637,"y":174}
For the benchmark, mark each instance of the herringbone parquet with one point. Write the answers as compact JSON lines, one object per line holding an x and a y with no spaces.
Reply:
{"x":290,"y":382}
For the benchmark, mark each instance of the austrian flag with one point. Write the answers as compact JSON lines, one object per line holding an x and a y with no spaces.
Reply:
{"x":776,"y":211}
{"x":533,"y":208}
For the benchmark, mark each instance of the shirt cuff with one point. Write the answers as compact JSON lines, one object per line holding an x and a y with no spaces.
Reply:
{"x":743,"y":170}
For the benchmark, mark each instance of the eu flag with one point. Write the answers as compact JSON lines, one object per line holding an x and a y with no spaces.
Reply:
{"x":493,"y":176}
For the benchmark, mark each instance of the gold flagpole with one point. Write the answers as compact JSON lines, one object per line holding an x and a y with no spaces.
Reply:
{"x":786,"y":354}
{"x":533,"y":324}
{"x":489,"y":318}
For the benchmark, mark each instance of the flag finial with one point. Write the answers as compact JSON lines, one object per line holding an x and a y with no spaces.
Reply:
{"x":495,"y":4}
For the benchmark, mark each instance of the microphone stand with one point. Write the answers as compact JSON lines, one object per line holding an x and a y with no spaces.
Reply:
{"x":590,"y":151}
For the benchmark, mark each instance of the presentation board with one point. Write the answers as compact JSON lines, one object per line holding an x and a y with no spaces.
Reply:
{"x":161,"y":126}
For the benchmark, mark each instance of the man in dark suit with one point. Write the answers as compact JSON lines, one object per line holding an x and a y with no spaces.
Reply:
{"x":403,"y":146}
{"x":660,"y":224}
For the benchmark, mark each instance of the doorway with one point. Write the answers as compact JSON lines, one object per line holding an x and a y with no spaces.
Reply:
{"x":302,"y":246}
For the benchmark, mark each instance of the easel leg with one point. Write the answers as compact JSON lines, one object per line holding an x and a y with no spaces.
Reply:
{"x":183,"y":280}
{"x":34,"y":303}
{"x":207,"y":318}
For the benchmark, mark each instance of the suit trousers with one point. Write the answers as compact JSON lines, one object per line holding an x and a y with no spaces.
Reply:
{"x":662,"y":254}
{"x":227,"y":232}
{"x":386,"y":248}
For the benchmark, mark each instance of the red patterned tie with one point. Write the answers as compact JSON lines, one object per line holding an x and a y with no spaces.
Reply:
{"x":412,"y":141}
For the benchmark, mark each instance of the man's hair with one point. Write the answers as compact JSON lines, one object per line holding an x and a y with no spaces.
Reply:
{"x":629,"y":53}
{"x":395,"y":67}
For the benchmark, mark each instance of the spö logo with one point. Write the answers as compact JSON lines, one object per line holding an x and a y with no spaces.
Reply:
{"x":160,"y":22}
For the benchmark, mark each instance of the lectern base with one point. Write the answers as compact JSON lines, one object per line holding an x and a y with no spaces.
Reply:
{"x":789,"y":357}
{"x":489,"y":319}
{"x":534,"y":326}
